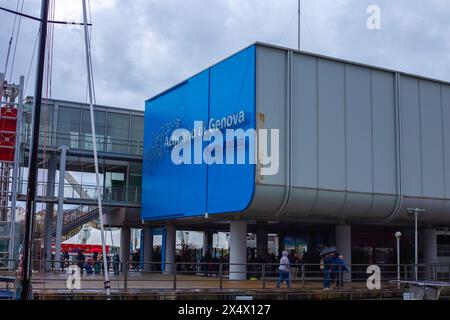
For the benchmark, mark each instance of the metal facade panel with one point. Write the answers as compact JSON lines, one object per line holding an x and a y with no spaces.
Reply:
{"x":358,"y":129}
{"x":411,"y":148}
{"x":162,"y":180}
{"x":305,"y":115}
{"x":232,"y":89}
{"x":218,"y":97}
{"x":271,"y":102}
{"x":432,"y":140}
{"x":383,"y":132}
{"x":332,"y":144}
{"x":446,"y":130}
{"x":422,"y":138}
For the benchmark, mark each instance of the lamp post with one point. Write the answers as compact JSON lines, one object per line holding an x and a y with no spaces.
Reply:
{"x":416,"y":213}
{"x":398,"y":234}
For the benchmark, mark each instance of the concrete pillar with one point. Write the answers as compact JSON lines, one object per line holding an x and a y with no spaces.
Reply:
{"x":48,"y":222}
{"x":59,"y":216}
{"x":148,"y":249}
{"x":207,"y":242}
{"x":430,"y":251}
{"x":169,"y":248}
{"x":261,"y":243}
{"x":238,"y":250}
{"x":125,"y":239}
{"x":344,"y":245}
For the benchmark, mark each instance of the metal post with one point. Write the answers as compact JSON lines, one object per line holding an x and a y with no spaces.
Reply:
{"x":16,"y":169}
{"x":60,"y":212}
{"x":416,"y":212}
{"x":48,"y":224}
{"x":303,"y":275}
{"x":405,"y":270}
{"x":34,"y":145}
{"x":416,"y":254}
{"x":94,"y":147}
{"x":398,"y":235}
{"x":264,"y":275}
{"x":221,"y":275}
{"x":175,"y":276}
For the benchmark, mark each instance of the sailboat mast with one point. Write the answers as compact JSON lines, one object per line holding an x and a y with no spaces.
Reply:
{"x":94,"y":146}
{"x":33,"y":161}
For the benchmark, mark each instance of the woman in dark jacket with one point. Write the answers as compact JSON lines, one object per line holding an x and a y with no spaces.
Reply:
{"x":81,"y":259}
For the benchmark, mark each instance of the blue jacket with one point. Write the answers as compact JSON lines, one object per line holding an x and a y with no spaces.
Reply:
{"x":340,"y":263}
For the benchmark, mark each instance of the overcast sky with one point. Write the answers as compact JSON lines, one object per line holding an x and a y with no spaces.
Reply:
{"x":142,"y":47}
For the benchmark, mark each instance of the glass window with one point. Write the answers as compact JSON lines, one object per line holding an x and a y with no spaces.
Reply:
{"x":117,"y":132}
{"x":86,"y":134}
{"x":137,"y":134}
{"x":69,"y":120}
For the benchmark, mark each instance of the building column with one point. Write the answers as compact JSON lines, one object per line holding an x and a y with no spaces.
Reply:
{"x":430,"y":251}
{"x":344,"y":246}
{"x":125,"y":239}
{"x":261,"y":242}
{"x":207,"y":242}
{"x":238,"y":250}
{"x":60,"y":213}
{"x":48,"y":222}
{"x":169,"y":248}
{"x":148,"y":249}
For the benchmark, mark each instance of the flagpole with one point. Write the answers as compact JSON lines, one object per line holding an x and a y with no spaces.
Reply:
{"x":26,"y":291}
{"x":94,"y":147}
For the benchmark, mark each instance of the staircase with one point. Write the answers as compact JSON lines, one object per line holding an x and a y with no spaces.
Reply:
{"x":76,"y":217}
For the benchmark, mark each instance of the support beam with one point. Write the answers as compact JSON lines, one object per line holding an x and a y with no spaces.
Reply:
{"x":169,"y":248}
{"x":148,"y":249}
{"x":60,"y":213}
{"x":430,"y":251}
{"x":207,"y":242}
{"x":125,"y":239}
{"x":48,"y":223}
{"x":344,"y":245}
{"x":238,"y":250}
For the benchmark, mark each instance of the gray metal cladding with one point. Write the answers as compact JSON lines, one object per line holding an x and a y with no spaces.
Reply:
{"x":422,"y":138}
{"x":356,"y":142}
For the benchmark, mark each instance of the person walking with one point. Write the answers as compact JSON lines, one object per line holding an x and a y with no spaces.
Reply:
{"x":341,"y":268}
{"x":284,"y":270}
{"x":80,"y":261}
{"x":296,"y":267}
{"x":116,"y":264}
{"x":326,"y":265}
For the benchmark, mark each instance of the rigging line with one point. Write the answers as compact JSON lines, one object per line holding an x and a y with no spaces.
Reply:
{"x":94,"y":145}
{"x":11,"y":40}
{"x":90,"y":56}
{"x":95,"y":102}
{"x":37,"y":19}
{"x":287,"y":27}
{"x":15,"y":45}
{"x":32,"y":59}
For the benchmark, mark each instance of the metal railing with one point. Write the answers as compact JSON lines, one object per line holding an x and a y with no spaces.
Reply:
{"x":130,"y":194}
{"x":84,"y":142}
{"x":132,"y":277}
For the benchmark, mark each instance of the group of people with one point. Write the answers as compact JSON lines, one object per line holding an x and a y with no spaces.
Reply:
{"x":95,"y":264}
{"x":332,"y":266}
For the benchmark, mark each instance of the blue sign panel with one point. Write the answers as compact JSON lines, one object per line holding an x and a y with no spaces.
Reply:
{"x":218,"y":99}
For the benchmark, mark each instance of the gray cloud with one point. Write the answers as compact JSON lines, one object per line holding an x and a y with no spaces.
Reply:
{"x":142,"y":47}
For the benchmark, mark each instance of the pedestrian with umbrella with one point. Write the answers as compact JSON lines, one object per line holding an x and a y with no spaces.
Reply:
{"x":326,"y":265}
